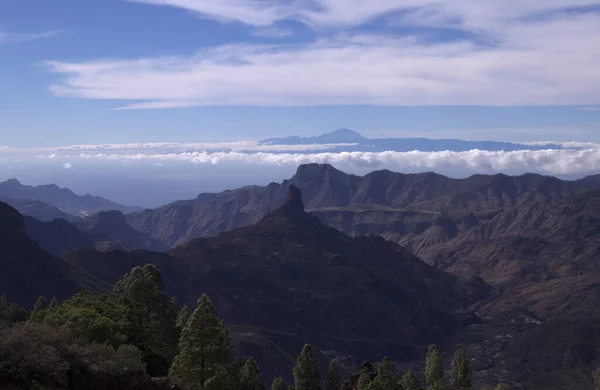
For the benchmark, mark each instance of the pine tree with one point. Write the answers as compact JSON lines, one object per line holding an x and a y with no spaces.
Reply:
{"x":3,"y":302}
{"x":40,"y":304}
{"x":306,"y":372}
{"x":157,"y":333}
{"x":183,"y":317}
{"x":410,"y":381}
{"x":434,"y":370}
{"x":364,"y":380}
{"x":279,"y":384}
{"x":461,"y":369}
{"x":333,"y":377}
{"x":386,"y":378}
{"x":204,"y":350}
{"x":250,"y":376}
{"x":597,"y":379}
{"x":53,"y":303}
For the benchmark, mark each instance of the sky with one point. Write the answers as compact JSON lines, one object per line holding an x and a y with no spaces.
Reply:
{"x":207,"y":71}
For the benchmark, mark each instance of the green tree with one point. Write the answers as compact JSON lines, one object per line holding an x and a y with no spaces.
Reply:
{"x":158,"y":335}
{"x":333,"y":377}
{"x":204,"y":350}
{"x":279,"y":384}
{"x":597,"y":379}
{"x":3,"y":302}
{"x":364,"y":380}
{"x":41,"y":304}
{"x":53,"y":303}
{"x":386,"y":378}
{"x":183,"y":317}
{"x":306,"y":372}
{"x":434,"y":369}
{"x":250,"y":376}
{"x":410,"y":381}
{"x":461,"y":369}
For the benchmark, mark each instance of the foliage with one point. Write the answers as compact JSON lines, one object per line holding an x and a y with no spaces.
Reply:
{"x":364,"y":380}
{"x":250,"y":376}
{"x":434,"y":370}
{"x":11,"y":312}
{"x":410,"y":381}
{"x":53,"y":303}
{"x":461,"y":369}
{"x":597,"y":379}
{"x":183,"y":317}
{"x":157,"y":338}
{"x":386,"y":378}
{"x":40,"y":304}
{"x":33,"y":351}
{"x":279,"y":384}
{"x":333,"y":377}
{"x":204,"y":350}
{"x":306,"y":371}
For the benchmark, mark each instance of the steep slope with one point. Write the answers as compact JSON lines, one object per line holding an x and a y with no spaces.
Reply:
{"x":290,"y":279}
{"x":38,"y":210}
{"x":26,"y":271}
{"x":62,"y":198}
{"x":114,"y":226}
{"x":379,"y":202}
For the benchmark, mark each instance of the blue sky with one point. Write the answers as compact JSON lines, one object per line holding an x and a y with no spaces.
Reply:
{"x":117,"y":71}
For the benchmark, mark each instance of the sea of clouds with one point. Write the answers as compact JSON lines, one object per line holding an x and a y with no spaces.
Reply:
{"x":575,"y":158}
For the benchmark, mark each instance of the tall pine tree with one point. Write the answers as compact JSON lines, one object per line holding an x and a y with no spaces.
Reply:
{"x":250,"y":376}
{"x":386,"y":378}
{"x":333,"y":377}
{"x":364,"y":380}
{"x":410,"y":381}
{"x":597,"y":379}
{"x":3,"y":302}
{"x":53,"y":303}
{"x":434,"y":369}
{"x":157,"y":334}
{"x":306,"y":372}
{"x":183,"y":317}
{"x":40,"y":304}
{"x":279,"y":384}
{"x":461,"y":369}
{"x":204,"y":351}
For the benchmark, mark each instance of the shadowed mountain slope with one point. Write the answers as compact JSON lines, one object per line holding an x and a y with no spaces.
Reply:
{"x":27,"y":271}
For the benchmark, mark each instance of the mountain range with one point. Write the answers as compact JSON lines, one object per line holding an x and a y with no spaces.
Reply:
{"x":360,"y":266}
{"x":356,"y":142}
{"x":47,"y":202}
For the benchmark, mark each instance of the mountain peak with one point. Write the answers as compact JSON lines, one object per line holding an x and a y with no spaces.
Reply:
{"x":342,"y":135}
{"x":294,"y":198}
{"x":312,"y":169}
{"x":12,"y":183}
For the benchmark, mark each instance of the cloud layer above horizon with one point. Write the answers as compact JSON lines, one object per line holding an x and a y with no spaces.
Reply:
{"x":427,"y":52}
{"x":568,"y":161}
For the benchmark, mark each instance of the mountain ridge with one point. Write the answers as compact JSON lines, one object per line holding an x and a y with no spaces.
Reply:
{"x":62,"y":198}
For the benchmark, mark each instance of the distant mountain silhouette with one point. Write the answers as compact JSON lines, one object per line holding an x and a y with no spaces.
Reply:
{"x":62,"y":198}
{"x":345,"y":136}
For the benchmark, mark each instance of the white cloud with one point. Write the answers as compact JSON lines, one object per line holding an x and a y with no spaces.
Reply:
{"x":513,"y":54}
{"x":556,"y":162}
{"x":273,"y":32}
{"x":12,"y":38}
{"x":67,"y":165}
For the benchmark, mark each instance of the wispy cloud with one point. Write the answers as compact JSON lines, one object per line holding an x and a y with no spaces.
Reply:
{"x":67,"y":165}
{"x":529,"y":53}
{"x":12,"y":38}
{"x":273,"y":32}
